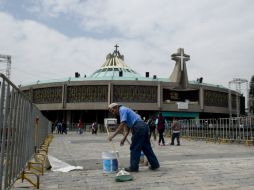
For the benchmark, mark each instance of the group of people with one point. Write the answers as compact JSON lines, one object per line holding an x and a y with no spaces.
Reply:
{"x":141,"y":134}
{"x":160,"y":123}
{"x":94,"y":127}
{"x":59,"y":126}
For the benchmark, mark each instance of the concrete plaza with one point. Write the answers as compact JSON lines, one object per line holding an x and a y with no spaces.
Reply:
{"x":194,"y":165}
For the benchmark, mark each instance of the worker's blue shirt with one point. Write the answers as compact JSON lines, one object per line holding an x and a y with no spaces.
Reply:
{"x":128,"y":116}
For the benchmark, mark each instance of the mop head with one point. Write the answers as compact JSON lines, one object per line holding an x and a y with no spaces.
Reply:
{"x":122,"y":176}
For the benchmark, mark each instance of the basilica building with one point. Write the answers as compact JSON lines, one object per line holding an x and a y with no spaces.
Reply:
{"x":175,"y":96}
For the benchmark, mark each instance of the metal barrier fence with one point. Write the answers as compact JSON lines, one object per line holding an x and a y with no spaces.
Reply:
{"x":22,"y":129}
{"x":231,"y":130}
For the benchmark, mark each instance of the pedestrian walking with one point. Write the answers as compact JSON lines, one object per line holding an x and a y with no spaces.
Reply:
{"x":176,"y":129}
{"x":59,"y":127}
{"x":152,"y":127}
{"x":94,"y":127}
{"x":64,"y":127}
{"x":160,"y":122}
{"x":80,"y":127}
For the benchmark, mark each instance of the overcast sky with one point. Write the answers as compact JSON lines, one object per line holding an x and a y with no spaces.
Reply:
{"x":50,"y":39}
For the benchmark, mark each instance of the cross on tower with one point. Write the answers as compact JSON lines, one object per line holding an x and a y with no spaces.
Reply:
{"x":116,"y":46}
{"x":180,"y":56}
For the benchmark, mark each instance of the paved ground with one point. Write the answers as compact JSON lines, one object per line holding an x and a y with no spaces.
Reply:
{"x":194,"y":165}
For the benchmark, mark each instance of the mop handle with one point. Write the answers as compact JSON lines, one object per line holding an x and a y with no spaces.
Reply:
{"x":113,"y":146}
{"x":127,"y":140}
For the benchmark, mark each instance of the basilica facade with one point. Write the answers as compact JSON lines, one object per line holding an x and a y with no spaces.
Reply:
{"x":176,"y":96}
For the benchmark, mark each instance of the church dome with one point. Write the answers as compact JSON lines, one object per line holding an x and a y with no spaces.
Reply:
{"x":115,"y":67}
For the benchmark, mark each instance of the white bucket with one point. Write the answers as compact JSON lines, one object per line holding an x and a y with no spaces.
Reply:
{"x":110,"y":163}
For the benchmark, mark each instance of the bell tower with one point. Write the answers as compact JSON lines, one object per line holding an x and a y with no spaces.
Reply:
{"x":179,"y":74}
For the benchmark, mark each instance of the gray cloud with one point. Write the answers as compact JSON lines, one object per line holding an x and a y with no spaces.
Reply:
{"x":218,"y":35}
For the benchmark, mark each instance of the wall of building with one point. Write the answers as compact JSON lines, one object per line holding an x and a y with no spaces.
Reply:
{"x":75,"y":97}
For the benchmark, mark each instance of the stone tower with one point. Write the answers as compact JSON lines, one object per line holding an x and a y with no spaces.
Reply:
{"x":179,"y":74}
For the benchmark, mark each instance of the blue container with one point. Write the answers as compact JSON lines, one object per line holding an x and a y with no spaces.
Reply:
{"x":142,"y":157}
{"x":110,"y":163}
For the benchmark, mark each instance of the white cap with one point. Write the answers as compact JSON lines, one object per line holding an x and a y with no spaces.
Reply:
{"x":112,"y":105}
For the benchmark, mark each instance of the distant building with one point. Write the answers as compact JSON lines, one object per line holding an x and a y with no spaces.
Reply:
{"x":88,"y":97}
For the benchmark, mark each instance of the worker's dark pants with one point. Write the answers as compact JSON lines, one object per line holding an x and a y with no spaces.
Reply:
{"x":141,"y":141}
